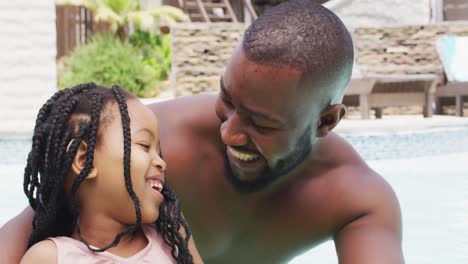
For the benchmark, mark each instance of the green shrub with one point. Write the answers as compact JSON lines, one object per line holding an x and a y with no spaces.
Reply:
{"x":107,"y":61}
{"x":156,"y":51}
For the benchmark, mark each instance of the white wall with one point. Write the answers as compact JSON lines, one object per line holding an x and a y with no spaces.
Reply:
{"x":27,"y":61}
{"x":362,"y":13}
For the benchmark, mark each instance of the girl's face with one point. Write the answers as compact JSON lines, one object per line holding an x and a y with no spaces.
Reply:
{"x":108,"y":191}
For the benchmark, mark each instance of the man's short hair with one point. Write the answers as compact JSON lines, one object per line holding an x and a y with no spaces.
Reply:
{"x":301,"y":34}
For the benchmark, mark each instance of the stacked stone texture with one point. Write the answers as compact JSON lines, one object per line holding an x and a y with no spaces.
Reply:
{"x":200,"y":52}
{"x":27,"y":68}
{"x":404,"y":49}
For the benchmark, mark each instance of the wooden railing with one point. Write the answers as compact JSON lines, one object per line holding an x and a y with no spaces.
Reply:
{"x":455,"y":10}
{"x":74,"y":26}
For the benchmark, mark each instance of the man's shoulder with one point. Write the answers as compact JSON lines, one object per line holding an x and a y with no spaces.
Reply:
{"x":41,"y":252}
{"x":352,"y":189}
{"x":365,"y":190}
{"x":340,"y":190}
{"x":352,"y":175}
{"x":367,"y":213}
{"x":353,"y":171}
{"x":191,"y":113}
{"x":337,"y":148}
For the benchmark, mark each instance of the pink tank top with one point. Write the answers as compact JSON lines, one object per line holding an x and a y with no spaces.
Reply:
{"x":70,"y":250}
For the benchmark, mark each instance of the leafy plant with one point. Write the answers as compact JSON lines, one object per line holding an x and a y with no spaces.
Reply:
{"x":152,"y":48}
{"x":119,"y":13}
{"x":156,"y":51}
{"x":107,"y":60}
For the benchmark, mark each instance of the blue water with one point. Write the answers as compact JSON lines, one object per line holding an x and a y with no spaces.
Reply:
{"x":428,"y":171}
{"x":433,"y":195}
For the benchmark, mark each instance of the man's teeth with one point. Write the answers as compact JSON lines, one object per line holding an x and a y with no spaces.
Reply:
{"x":243,"y":156}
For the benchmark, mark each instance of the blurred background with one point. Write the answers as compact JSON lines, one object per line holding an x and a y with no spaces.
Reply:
{"x":407,"y":100}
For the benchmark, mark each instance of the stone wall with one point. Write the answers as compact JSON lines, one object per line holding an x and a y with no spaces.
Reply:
{"x":200,"y":52}
{"x":403,"y":50}
{"x":27,"y":68}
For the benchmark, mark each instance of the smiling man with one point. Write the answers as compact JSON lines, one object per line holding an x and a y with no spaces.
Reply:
{"x":260,"y":176}
{"x":259,"y":173}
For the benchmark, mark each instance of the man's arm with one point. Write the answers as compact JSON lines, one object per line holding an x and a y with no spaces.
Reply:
{"x":375,"y":237}
{"x":14,"y":237}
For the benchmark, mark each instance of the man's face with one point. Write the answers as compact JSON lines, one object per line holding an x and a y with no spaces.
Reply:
{"x":267,"y":130}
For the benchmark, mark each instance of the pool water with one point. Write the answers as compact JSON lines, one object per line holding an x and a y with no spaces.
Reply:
{"x":433,"y":195}
{"x":428,"y":171}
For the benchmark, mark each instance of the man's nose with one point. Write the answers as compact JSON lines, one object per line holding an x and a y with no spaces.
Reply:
{"x":232,"y":132}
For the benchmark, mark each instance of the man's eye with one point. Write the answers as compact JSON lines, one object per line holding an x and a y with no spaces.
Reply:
{"x":261,"y":128}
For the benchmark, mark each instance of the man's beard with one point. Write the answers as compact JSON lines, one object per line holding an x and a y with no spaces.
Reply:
{"x":270,"y":175}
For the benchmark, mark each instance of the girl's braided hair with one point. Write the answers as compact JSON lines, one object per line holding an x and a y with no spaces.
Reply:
{"x":74,"y":114}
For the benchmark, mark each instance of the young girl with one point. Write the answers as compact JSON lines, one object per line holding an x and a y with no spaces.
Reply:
{"x":91,"y":146}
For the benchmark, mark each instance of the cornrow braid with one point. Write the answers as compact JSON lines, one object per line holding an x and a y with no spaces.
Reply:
{"x":40,"y":130}
{"x":127,"y":150}
{"x":96,"y":101}
{"x":42,"y":180}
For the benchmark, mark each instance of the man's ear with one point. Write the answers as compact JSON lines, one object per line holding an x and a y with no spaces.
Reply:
{"x":79,"y":161}
{"x":329,"y":118}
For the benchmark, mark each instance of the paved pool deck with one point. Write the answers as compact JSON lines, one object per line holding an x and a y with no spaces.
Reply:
{"x":350,"y":125}
{"x":353,"y":124}
{"x":399,"y":124}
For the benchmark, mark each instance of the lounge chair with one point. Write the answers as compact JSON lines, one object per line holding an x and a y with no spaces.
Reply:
{"x":453,"y":53}
{"x":375,"y":91}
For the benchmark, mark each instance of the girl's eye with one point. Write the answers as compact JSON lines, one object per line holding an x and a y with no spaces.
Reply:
{"x":145,"y":146}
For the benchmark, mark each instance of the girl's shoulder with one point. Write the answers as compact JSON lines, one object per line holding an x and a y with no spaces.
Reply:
{"x":159,"y":249}
{"x":41,"y":252}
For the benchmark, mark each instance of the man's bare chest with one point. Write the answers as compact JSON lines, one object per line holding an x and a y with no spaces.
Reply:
{"x":242,"y":231}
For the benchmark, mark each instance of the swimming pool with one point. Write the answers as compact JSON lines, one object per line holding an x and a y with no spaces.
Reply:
{"x":428,"y":170}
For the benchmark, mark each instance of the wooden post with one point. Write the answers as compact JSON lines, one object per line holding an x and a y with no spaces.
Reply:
{"x":378,"y":112}
{"x":437,"y":11}
{"x":428,"y":107}
{"x":238,"y":9}
{"x":203,"y":11}
{"x":455,"y":10}
{"x":459,"y":105}
{"x":175,"y":3}
{"x":364,"y":106}
{"x":430,"y":98}
{"x":60,"y":31}
{"x":248,"y":5}
{"x":74,"y":26}
{"x":230,"y":11}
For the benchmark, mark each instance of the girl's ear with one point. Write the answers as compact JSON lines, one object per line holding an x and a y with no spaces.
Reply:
{"x":79,"y":161}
